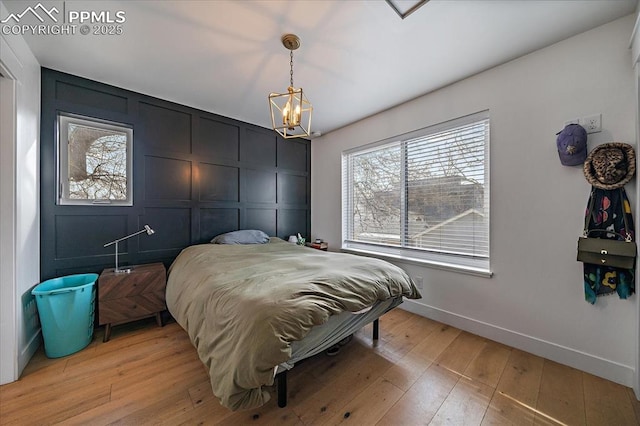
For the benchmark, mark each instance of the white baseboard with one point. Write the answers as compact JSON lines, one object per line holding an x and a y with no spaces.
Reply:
{"x":27,"y":352}
{"x":610,"y":370}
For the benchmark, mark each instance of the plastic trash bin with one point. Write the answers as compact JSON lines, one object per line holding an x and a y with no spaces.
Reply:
{"x":66,"y":307}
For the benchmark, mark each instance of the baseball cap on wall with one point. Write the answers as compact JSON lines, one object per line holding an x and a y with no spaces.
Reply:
{"x":572,"y":145}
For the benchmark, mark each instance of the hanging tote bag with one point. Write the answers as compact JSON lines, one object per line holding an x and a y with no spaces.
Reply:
{"x":604,"y":247}
{"x":602,"y":251}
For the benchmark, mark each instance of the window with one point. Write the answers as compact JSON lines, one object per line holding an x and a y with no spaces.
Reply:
{"x":422,"y":196}
{"x":95,"y":162}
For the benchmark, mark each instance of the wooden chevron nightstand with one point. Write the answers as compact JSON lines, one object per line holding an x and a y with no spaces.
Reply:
{"x":125,"y":297}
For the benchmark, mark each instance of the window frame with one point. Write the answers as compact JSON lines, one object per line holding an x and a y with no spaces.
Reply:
{"x":62,"y":154}
{"x":475,"y":265}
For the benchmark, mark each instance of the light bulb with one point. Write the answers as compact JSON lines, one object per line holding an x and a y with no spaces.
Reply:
{"x":297,"y":115}
{"x":285,"y":113}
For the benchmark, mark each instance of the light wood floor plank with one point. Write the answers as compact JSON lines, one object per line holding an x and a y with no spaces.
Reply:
{"x":369,"y":406}
{"x":488,"y":366}
{"x":436,"y":342}
{"x":200,"y":393}
{"x":140,"y":395}
{"x":56,"y":403}
{"x":504,"y":410}
{"x":516,"y":396}
{"x":394,"y":344}
{"x":174,"y":404}
{"x":176,"y":369}
{"x":634,"y":402}
{"x":40,"y":364}
{"x":561,"y":397}
{"x":406,"y":372}
{"x":606,"y":403}
{"x":315,"y":403}
{"x":465,"y":405}
{"x":459,"y":354}
{"x":421,"y":402}
{"x":420,"y":372}
{"x":267,"y":415}
{"x":327,"y":368}
{"x":390,"y":322}
{"x":107,"y":413}
{"x":207,"y":413}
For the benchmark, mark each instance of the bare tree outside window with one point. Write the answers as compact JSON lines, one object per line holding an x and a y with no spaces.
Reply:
{"x":376,"y":204}
{"x":97,"y":159}
{"x":427,"y":192}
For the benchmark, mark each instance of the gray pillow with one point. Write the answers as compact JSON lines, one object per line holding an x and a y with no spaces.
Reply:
{"x":244,"y":236}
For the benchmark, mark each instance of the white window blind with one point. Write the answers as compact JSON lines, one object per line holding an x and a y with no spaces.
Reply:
{"x":423,"y":195}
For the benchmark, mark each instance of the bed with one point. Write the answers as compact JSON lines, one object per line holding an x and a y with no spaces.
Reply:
{"x":254,"y":310}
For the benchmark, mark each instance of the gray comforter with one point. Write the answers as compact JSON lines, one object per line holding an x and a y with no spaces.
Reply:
{"x":243,"y":305}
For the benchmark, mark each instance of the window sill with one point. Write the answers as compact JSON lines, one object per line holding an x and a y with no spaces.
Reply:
{"x":421,"y":262}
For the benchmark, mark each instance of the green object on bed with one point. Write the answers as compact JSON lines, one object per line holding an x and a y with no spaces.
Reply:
{"x":243,"y":305}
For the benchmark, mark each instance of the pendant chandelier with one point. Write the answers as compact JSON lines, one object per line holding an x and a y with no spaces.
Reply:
{"x":291,"y":111}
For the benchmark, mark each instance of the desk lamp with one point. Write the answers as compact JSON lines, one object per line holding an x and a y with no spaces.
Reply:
{"x":117,"y":270}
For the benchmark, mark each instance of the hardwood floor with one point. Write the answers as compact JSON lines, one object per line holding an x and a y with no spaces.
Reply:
{"x":420,"y":372}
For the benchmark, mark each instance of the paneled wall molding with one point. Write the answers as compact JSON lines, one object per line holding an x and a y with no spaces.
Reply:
{"x":195,"y":175}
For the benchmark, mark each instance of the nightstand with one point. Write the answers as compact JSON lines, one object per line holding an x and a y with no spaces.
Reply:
{"x":127,"y":296}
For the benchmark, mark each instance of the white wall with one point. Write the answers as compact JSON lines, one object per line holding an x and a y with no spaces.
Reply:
{"x":20,"y":219}
{"x":635,"y":60}
{"x":535,"y":299}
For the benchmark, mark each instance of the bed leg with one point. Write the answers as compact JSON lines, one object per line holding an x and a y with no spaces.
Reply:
{"x":281,"y":384}
{"x":376,"y":328}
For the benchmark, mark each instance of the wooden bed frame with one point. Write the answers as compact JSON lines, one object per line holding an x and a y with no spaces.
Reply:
{"x":281,"y":378}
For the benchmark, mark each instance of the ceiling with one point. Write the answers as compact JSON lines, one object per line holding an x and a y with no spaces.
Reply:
{"x":357,"y":58}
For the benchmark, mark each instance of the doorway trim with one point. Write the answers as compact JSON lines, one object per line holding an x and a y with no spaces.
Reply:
{"x":9,"y":365}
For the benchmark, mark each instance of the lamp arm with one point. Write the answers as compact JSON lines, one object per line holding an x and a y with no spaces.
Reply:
{"x":124,"y":238}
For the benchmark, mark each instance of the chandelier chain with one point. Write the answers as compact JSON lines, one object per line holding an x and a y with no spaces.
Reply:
{"x":291,"y":65}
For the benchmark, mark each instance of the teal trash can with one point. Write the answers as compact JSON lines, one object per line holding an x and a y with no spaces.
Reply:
{"x":66,"y":307}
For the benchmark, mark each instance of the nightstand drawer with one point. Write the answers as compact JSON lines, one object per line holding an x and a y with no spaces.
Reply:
{"x":142,"y":279}
{"x":128,"y":308}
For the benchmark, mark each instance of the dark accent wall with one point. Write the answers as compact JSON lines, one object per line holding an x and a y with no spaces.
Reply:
{"x":195,"y":175}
